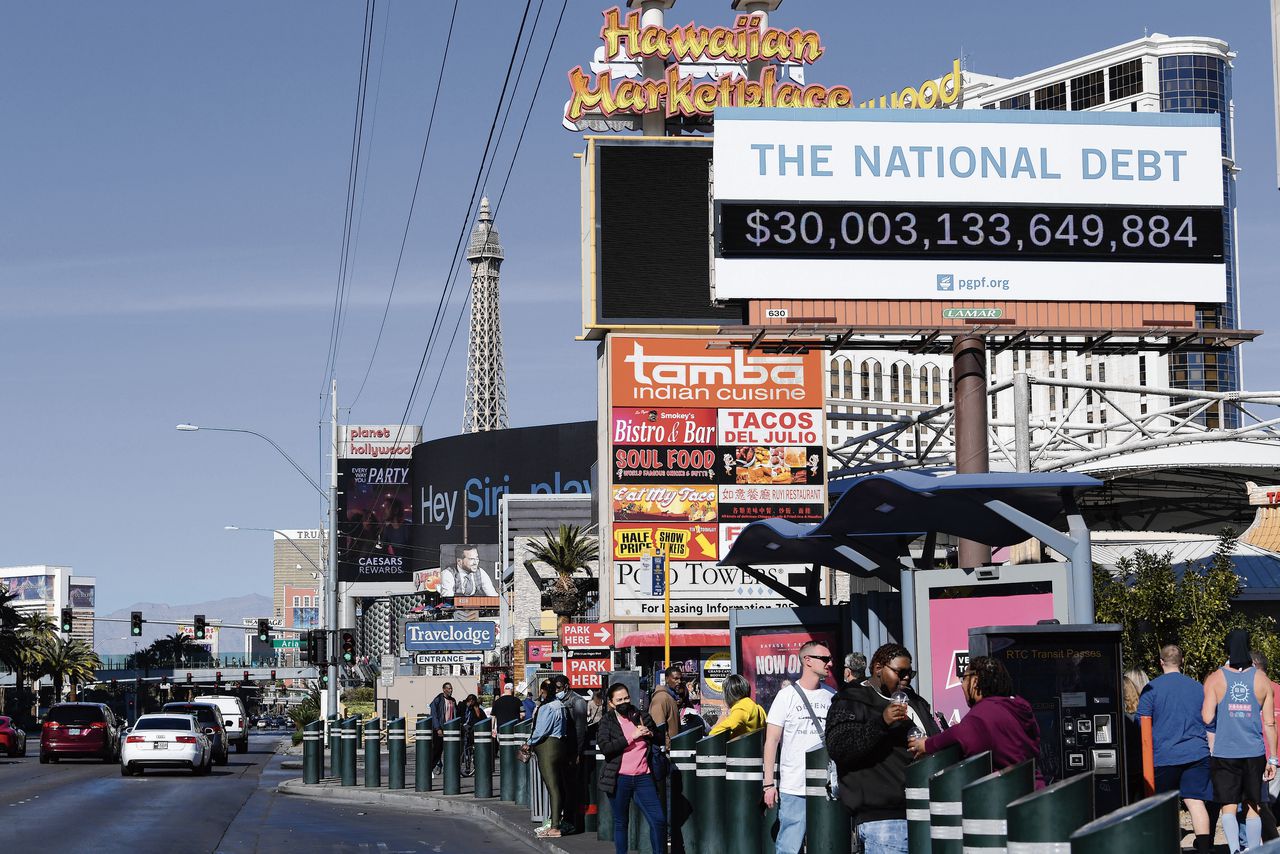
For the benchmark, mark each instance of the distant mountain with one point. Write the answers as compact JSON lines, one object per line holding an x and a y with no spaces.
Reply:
{"x":114,"y":639}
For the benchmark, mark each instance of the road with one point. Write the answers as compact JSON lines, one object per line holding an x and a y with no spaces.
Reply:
{"x":86,"y":806}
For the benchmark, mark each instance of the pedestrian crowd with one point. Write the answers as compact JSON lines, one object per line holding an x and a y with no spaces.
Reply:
{"x":1214,"y":743}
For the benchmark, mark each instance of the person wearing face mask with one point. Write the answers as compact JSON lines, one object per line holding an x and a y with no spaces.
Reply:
{"x":867,"y":730}
{"x":996,"y":721}
{"x":625,"y":738}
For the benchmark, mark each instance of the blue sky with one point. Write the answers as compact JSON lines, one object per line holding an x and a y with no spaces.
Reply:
{"x":174,"y":181}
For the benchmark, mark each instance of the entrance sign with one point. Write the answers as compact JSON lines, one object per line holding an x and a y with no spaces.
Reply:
{"x":449,"y":658}
{"x":586,"y":635}
{"x":963,"y":204}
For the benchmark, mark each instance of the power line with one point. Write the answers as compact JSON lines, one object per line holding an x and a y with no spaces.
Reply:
{"x":510,"y":166}
{"x":466,"y":221}
{"x":353,"y":166}
{"x":417,"y":181}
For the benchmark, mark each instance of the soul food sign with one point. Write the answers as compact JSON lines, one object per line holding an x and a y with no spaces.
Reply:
{"x":719,"y":53}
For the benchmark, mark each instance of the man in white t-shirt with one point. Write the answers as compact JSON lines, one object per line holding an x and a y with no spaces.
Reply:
{"x":790,"y":722}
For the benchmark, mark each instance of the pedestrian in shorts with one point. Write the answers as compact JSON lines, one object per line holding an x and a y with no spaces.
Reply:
{"x":1239,"y":705}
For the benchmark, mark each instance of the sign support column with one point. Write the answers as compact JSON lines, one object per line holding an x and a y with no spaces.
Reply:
{"x":969,"y":355}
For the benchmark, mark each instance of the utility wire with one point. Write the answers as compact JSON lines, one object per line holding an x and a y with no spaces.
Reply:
{"x":417,"y":182}
{"x":353,"y":165}
{"x":364,"y":186}
{"x":510,"y":166}
{"x":466,"y":221}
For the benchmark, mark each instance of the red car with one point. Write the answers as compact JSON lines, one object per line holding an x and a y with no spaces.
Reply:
{"x":80,"y":730}
{"x":12,"y":739}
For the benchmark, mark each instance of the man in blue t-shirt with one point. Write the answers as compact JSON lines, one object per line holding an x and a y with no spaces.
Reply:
{"x":1173,"y":702}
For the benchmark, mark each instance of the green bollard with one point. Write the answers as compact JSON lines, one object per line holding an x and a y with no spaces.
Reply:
{"x":422,"y":758}
{"x":509,"y":766}
{"x":984,"y":806}
{"x":744,"y":782}
{"x":709,"y":793}
{"x":1050,"y":815}
{"x":372,"y":757}
{"x":918,"y":774}
{"x":683,"y":788}
{"x":484,"y":761}
{"x":1150,"y":826}
{"x":944,"y":801}
{"x":349,"y":731}
{"x":395,"y":754}
{"x":604,"y":811}
{"x":451,"y":756}
{"x":311,"y":758}
{"x":333,"y":735}
{"x":594,"y":796}
{"x":523,"y":730}
{"x":828,"y":825}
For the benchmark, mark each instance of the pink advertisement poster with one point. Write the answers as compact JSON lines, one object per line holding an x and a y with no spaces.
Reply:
{"x":949,"y":624}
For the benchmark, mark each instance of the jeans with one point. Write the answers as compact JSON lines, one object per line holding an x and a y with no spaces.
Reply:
{"x":645,"y":793}
{"x":791,"y":824}
{"x":884,"y":837}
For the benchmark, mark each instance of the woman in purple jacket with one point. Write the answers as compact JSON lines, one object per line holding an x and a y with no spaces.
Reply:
{"x":997,"y":720}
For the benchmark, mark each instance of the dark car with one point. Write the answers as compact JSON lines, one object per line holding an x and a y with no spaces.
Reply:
{"x":210,"y":718}
{"x":12,"y":739}
{"x":80,"y":730}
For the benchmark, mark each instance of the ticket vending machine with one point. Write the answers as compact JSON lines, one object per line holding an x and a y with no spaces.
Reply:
{"x":1071,"y":676}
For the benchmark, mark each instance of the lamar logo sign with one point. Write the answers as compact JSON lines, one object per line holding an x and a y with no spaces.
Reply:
{"x":684,"y":371}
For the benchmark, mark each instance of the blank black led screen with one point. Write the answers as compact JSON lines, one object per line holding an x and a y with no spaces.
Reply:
{"x":654,"y":236}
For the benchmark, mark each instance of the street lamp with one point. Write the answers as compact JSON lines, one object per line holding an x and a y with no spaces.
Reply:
{"x":330,"y":498}
{"x":191,"y":428}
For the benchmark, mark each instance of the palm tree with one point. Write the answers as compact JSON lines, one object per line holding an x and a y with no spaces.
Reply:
{"x":66,"y":659}
{"x":566,"y":551}
{"x":144,"y":659}
{"x":175,"y":647}
{"x":20,"y":651}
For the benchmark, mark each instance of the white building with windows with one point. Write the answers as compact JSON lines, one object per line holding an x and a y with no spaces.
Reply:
{"x":1157,"y":73}
{"x":45,"y":589}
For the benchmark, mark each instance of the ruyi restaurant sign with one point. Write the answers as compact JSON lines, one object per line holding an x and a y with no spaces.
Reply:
{"x":707,"y":68}
{"x":701,"y":442}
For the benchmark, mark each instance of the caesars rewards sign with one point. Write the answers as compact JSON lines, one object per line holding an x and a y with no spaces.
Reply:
{"x":701,"y":443}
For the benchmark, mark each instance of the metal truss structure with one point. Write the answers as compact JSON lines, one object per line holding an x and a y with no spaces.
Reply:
{"x":1165,"y":469}
{"x":485,"y":404}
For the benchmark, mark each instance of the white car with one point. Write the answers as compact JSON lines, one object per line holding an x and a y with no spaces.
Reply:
{"x":233,"y":714}
{"x":166,"y":741}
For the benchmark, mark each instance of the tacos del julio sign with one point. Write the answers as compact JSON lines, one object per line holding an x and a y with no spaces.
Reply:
{"x":615,"y":84}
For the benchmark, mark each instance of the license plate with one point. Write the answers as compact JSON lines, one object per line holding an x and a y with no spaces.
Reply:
{"x":160,"y":745}
{"x":73,"y":731}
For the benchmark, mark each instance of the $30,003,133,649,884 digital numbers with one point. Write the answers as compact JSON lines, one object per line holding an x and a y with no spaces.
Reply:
{"x":933,"y":230}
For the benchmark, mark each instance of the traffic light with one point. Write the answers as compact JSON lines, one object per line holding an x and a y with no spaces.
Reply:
{"x":264,"y":630}
{"x":348,"y":646}
{"x":67,"y":621}
{"x":189,"y":679}
{"x":320,"y":648}
{"x":246,"y":676}
{"x":306,"y":649}
{"x":273,"y":676}
{"x":324,"y":679}
{"x":115,"y":686}
{"x":135,"y":623}
{"x":217,"y":677}
{"x":200,"y":626}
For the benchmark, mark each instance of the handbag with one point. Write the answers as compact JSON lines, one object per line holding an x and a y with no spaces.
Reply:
{"x":659,"y":762}
{"x":524,"y":752}
{"x":833,"y":775}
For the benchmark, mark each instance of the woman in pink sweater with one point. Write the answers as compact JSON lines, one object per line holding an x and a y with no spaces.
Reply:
{"x":996,"y":721}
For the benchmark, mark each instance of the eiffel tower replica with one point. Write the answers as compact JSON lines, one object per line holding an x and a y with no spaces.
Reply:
{"x":485,"y":406}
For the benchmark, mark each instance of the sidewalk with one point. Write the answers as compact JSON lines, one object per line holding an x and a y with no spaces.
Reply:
{"x":511,"y":819}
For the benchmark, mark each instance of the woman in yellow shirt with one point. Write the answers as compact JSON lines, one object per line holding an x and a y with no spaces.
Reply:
{"x":745,"y":714}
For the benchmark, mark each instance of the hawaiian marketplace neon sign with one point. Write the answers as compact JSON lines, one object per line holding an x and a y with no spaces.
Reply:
{"x":705,"y":68}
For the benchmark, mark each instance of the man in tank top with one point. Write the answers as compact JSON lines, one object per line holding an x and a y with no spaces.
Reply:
{"x":1237,"y":702}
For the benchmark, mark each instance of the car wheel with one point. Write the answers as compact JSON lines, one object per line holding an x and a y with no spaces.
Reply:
{"x":242,"y":746}
{"x":44,"y":759}
{"x":126,"y":771}
{"x":23,"y":751}
{"x":224,"y":758}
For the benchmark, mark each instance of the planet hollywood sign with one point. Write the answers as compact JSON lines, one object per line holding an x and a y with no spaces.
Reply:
{"x":615,"y":84}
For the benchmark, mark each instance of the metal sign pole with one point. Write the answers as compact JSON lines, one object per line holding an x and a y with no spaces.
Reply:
{"x":660,"y":564}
